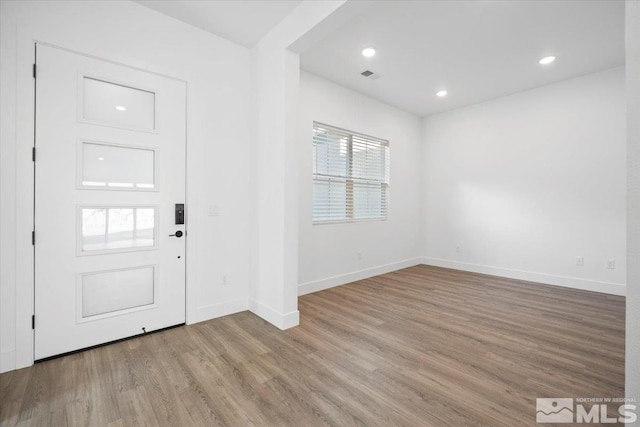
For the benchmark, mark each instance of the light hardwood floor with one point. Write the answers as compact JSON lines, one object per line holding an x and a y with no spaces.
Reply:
{"x":422,"y":346}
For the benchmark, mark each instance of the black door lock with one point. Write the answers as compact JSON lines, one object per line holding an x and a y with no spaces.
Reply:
{"x":179,"y":213}
{"x":178,"y":234}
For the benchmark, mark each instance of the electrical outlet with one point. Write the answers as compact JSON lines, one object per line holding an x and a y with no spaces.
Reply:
{"x":580,"y":261}
{"x":611,"y":264}
{"x":359,"y":255}
{"x":224,"y":280}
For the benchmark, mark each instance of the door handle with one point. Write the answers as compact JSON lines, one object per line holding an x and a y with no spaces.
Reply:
{"x":178,"y":234}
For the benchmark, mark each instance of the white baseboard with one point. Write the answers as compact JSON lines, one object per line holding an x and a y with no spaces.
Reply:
{"x":549,"y":279}
{"x":7,"y":361}
{"x":330,"y":282}
{"x":209,"y":312}
{"x":279,"y":320}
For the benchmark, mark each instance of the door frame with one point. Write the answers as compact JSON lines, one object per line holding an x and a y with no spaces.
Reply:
{"x":25,"y":204}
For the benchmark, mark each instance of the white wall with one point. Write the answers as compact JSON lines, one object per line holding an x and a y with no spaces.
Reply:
{"x":217,"y":73}
{"x":328,"y":252}
{"x":526,"y":183}
{"x":632,"y":386}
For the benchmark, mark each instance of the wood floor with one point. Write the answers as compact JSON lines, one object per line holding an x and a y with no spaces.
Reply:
{"x":423,"y":346}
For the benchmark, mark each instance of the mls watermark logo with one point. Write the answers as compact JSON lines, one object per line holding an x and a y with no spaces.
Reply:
{"x":568,"y":410}
{"x":554,"y":410}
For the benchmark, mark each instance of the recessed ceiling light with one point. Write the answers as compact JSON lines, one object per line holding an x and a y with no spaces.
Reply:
{"x":547,"y":60}
{"x":100,"y":158}
{"x":121,"y":108}
{"x":442,"y":93}
{"x":368,"y":52}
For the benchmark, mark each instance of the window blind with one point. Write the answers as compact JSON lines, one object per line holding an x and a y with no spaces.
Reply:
{"x":350,"y":175}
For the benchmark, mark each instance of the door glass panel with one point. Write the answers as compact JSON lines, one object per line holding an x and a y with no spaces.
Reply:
{"x":111,"y":166}
{"x":107,"y":229}
{"x":112,"y":291}
{"x":118,"y":105}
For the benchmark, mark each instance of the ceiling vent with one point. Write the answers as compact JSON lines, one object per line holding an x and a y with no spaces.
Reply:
{"x":371,"y":75}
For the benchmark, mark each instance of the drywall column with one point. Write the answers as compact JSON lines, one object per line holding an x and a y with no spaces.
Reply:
{"x":632,"y":386}
{"x":274,"y":254}
{"x":275,"y":258}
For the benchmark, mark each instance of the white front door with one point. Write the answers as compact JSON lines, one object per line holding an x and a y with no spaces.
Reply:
{"x":110,"y":169}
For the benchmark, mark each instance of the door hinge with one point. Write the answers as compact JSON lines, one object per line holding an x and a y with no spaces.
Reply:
{"x":33,"y":238}
{"x":34,"y":71}
{"x":33,"y":321}
{"x":33,"y":154}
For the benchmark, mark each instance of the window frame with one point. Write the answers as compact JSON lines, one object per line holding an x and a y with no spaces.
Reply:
{"x":350,"y":179}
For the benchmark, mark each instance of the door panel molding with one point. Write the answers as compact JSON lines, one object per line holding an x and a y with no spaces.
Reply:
{"x":80,"y":318}
{"x":107,"y":143}
{"x":80,"y":252}
{"x":134,"y":86}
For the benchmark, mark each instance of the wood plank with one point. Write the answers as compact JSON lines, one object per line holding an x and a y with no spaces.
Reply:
{"x":423,"y":346}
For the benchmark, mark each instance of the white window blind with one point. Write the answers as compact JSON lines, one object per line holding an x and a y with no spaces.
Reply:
{"x":350,"y":175}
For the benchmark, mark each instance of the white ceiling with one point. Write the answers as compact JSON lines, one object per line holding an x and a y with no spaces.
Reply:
{"x":243,"y":22}
{"x":477,"y":50}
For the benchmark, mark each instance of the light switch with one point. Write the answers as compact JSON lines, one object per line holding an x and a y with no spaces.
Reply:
{"x":214,"y":210}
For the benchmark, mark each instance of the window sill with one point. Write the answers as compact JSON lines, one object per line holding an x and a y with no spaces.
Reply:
{"x":348,"y":221}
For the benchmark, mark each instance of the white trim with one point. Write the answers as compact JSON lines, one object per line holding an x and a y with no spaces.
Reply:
{"x":24,"y":207}
{"x":213,"y":311}
{"x":279,"y":320}
{"x":531,"y":276}
{"x":330,"y":282}
{"x":7,"y":361}
{"x":350,"y":132}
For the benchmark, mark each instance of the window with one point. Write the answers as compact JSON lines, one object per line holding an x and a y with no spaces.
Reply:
{"x":350,"y":175}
